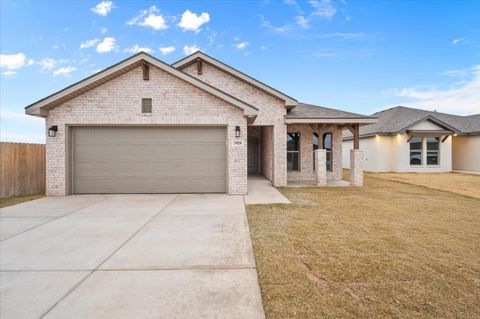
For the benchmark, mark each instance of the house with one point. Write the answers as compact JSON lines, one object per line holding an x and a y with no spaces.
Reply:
{"x":196,"y":126}
{"x":412,"y":140}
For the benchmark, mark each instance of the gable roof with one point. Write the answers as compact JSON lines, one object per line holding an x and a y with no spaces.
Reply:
{"x":41,"y":107}
{"x":398,"y":119}
{"x":310,"y":113}
{"x":289,"y":101}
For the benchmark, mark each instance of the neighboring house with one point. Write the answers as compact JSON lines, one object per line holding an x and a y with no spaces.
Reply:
{"x":198,"y":125}
{"x":411,"y":140}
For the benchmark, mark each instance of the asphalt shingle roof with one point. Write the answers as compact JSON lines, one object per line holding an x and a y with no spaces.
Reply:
{"x":310,"y":111}
{"x":398,"y":118}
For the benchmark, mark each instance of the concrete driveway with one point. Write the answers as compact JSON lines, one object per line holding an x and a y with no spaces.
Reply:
{"x":128,"y":256}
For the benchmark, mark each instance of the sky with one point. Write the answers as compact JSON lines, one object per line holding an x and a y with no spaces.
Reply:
{"x":358,"y":56}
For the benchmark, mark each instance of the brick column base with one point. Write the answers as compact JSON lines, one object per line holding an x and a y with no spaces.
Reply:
{"x":356,"y":168}
{"x":320,"y":168}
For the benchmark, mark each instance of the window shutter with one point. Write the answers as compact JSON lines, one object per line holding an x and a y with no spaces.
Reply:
{"x":146,"y":105}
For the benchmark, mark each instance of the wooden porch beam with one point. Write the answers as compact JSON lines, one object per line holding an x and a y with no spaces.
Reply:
{"x":146,"y":71}
{"x":199,"y":66}
{"x":356,"y":137}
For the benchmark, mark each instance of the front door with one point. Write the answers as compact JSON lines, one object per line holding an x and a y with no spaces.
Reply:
{"x":252,"y":156}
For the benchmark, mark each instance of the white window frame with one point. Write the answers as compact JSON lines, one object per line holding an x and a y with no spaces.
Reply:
{"x":437,"y":151}
{"x":421,"y":150}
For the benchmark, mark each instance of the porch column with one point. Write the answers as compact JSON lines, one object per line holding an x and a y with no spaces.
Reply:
{"x":320,"y":167}
{"x":356,"y":168}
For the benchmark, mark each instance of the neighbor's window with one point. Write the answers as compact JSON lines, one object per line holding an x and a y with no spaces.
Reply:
{"x":315,"y":147}
{"x":293,"y":151}
{"x":416,"y":151}
{"x":433,"y":151}
{"x":327,"y":144}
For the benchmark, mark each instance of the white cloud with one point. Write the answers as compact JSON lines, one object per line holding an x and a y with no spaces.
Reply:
{"x":9,"y":73}
{"x":190,"y":49}
{"x":343,"y":35}
{"x":103,"y":30}
{"x":64,"y":71}
{"x":458,"y":40}
{"x":462,"y":98}
{"x":103,"y":8}
{"x":263,"y":48}
{"x":268,"y":25}
{"x":302,"y":22}
{"x":167,"y":50}
{"x":456,"y":73}
{"x":241,"y":45}
{"x":14,"y":61}
{"x":323,"y":8}
{"x":89,"y":43}
{"x":22,"y":138}
{"x":108,"y":44}
{"x":149,"y":18}
{"x":49,"y":63}
{"x":136,"y":48}
{"x":15,"y":124}
{"x":192,"y":22}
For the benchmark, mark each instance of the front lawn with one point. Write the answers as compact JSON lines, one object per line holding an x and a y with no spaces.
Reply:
{"x":460,"y":183}
{"x":388,"y":249}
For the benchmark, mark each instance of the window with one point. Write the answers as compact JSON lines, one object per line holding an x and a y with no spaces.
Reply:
{"x":293,"y":151}
{"x":416,"y":144}
{"x":146,"y":105}
{"x":433,"y":151}
{"x":327,"y":145}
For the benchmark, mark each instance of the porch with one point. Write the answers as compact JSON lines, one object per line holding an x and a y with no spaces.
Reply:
{"x":312,"y":153}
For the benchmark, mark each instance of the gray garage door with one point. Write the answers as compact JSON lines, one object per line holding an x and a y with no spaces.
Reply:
{"x":148,"y":160}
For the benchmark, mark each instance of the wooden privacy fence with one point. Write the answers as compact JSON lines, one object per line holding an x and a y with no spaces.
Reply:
{"x":22,"y":169}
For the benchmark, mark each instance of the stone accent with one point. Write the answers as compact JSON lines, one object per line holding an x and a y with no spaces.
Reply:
{"x":118,"y":102}
{"x":321,"y":168}
{"x":272,"y":112}
{"x":356,"y":168}
{"x":306,"y":172}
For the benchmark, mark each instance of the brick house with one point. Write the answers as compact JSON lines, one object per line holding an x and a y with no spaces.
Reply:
{"x":196,"y":126}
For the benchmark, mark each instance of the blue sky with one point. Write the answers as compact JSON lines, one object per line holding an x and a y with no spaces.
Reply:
{"x":360,"y":56}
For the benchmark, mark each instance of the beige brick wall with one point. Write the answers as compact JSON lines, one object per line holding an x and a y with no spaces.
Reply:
{"x":272,"y":111}
{"x":306,"y":172}
{"x":118,"y":101}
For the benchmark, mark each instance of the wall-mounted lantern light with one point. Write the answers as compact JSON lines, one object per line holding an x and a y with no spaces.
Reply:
{"x":52,"y":131}
{"x":237,"y":131}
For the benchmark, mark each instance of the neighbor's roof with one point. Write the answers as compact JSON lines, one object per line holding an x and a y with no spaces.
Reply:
{"x":41,"y":107}
{"x":397,"y":119}
{"x":289,"y":101}
{"x":310,"y":113}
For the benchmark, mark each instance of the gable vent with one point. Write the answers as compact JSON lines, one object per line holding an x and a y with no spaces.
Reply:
{"x":146,"y":105}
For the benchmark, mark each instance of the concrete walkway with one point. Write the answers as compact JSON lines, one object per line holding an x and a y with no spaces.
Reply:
{"x":128,"y":256}
{"x":261,"y":191}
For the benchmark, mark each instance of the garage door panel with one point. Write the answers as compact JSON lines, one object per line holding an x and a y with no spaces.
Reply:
{"x":93,"y":168}
{"x":208,"y":169}
{"x":149,"y":159}
{"x":168,"y":168}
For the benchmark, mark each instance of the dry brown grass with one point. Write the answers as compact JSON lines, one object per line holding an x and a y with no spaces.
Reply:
{"x":385,"y":250}
{"x":460,"y":183}
{"x":4,"y":202}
